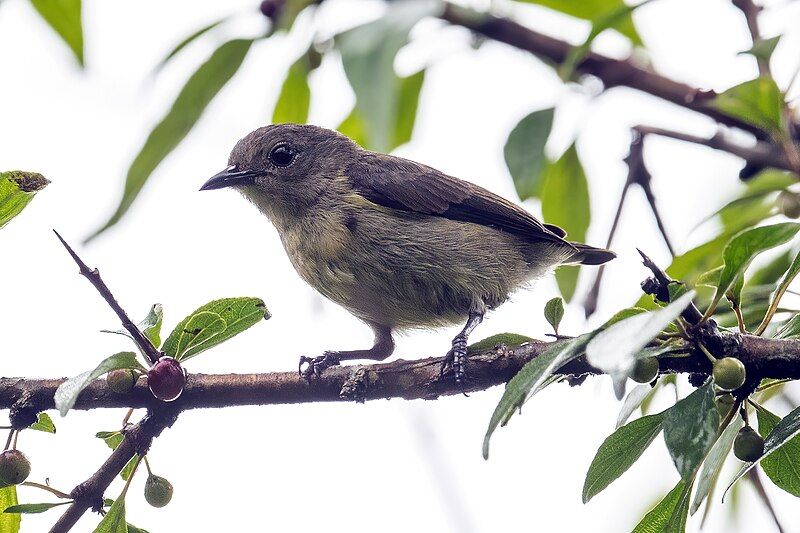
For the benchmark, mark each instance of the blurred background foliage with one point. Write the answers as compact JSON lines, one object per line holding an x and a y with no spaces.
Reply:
{"x":384,"y":115}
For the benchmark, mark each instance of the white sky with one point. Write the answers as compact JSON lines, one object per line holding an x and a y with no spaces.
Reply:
{"x":388,"y":466}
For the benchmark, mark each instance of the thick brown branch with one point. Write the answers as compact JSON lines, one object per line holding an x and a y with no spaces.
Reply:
{"x":418,"y":379}
{"x":613,"y":72}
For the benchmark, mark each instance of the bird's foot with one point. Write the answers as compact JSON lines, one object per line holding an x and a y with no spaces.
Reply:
{"x":455,"y":362}
{"x":314,"y":366}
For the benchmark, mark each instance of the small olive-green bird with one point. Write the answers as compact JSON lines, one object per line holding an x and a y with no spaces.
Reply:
{"x":398,"y":244}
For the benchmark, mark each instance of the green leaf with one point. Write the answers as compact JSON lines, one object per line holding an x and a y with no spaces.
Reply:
{"x":669,"y":516}
{"x":783,"y":286}
{"x":699,"y":259}
{"x":64,"y":16}
{"x":632,"y":402}
{"x":758,"y":102}
{"x":763,"y":48}
{"x":114,"y":520}
{"x":33,"y":508}
{"x":506,"y":339}
{"x":791,"y":329}
{"x":213,"y":323}
{"x":528,"y":380}
{"x":44,"y":423}
{"x":614,"y":350}
{"x":593,"y":10}
{"x":368,"y":53}
{"x":618,"y":453}
{"x":524,"y":152}
{"x":150,"y":326}
{"x":783,"y":465}
{"x":743,"y":248}
{"x":554,"y":312}
{"x":770,"y":273}
{"x":295,"y":96}
{"x":713,"y":463}
{"x":612,"y":19}
{"x":111,"y":438}
{"x":622,"y":315}
{"x":353,"y":126}
{"x":565,"y":203}
{"x":189,"y":105}
{"x":127,"y":470}
{"x":407,"y":104}
{"x":690,"y":429}
{"x":17,"y":189}
{"x":67,"y":393}
{"x":187,"y":41}
{"x":134,"y":529}
{"x":9,"y":523}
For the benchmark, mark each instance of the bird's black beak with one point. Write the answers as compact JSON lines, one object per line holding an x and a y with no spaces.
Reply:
{"x":228,"y":178}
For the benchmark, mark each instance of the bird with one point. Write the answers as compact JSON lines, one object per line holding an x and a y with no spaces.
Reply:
{"x":400,"y":245}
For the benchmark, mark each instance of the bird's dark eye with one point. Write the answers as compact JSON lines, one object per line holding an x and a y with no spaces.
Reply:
{"x":282,"y":155}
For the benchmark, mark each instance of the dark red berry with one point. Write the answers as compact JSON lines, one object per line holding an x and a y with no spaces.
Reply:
{"x":269,"y":8}
{"x":14,"y":468}
{"x":166,"y":379}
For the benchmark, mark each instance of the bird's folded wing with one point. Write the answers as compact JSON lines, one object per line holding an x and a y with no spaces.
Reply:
{"x":402,"y":184}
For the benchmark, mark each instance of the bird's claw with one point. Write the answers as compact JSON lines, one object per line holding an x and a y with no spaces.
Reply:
{"x":316,"y":365}
{"x":455,"y":362}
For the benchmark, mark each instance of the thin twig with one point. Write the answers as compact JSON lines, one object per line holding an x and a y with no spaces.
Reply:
{"x":638,"y":175}
{"x":760,"y":154}
{"x":751,"y":11}
{"x":48,"y":488}
{"x":93,"y":275}
{"x":593,"y":296}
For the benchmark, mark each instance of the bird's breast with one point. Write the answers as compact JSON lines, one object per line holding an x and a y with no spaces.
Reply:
{"x":318,"y":250}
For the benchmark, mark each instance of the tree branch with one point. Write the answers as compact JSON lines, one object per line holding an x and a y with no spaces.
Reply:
{"x":93,"y":275}
{"x":89,"y":494}
{"x":417,"y":379}
{"x":761,"y":154}
{"x":613,"y":72}
{"x":751,"y":11}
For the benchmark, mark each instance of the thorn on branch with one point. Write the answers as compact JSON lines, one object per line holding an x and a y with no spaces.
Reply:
{"x":93,"y":275}
{"x":658,"y":286}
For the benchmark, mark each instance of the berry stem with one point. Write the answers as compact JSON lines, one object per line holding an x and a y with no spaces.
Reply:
{"x":147,"y":465}
{"x":49,"y":489}
{"x":705,"y":351}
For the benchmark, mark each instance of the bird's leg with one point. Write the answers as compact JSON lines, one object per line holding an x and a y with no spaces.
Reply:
{"x":456,"y":358}
{"x":383,"y":348}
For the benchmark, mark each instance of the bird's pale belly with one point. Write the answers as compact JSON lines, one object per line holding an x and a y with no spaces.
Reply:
{"x":389,"y":278}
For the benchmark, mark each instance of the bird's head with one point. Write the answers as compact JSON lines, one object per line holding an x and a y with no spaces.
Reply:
{"x":285,"y":168}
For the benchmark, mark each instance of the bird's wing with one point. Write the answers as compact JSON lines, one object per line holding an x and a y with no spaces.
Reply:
{"x":402,"y":184}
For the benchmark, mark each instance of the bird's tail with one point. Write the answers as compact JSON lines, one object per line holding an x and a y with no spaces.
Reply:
{"x":589,"y":255}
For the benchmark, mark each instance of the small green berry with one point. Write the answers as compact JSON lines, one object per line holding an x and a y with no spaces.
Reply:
{"x":14,"y":468}
{"x":789,"y":204}
{"x":157,"y":491}
{"x":729,"y":373}
{"x":748,"y":445}
{"x":724,"y":403}
{"x":122,"y":380}
{"x":645,"y":370}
